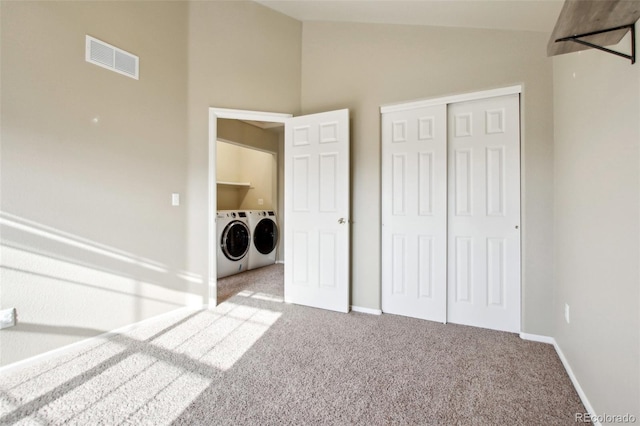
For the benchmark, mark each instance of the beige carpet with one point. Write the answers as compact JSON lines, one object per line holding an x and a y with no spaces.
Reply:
{"x":256,"y":360}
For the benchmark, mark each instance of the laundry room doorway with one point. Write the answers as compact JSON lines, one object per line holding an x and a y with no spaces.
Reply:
{"x":247,"y":216}
{"x":313,"y":194}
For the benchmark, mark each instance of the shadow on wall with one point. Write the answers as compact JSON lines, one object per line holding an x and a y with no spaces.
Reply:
{"x":64,"y":285}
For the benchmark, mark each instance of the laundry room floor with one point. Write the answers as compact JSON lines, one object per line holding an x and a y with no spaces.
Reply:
{"x":268,"y":279}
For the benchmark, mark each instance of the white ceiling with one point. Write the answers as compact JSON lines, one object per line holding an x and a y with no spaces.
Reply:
{"x":529,"y":15}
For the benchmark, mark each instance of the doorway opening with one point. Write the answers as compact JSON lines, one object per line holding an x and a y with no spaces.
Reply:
{"x":248,"y":194}
{"x":252,"y":142}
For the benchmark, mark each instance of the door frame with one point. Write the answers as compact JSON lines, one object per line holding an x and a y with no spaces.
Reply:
{"x":452,"y":99}
{"x":465,"y":97}
{"x":212,"y":198}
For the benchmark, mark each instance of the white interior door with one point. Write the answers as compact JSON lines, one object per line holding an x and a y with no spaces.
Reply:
{"x":414,"y":213}
{"x":484,"y":213}
{"x":316,"y":197}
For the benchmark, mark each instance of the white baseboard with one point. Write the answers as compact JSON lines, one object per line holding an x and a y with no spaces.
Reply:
{"x":281,"y":262}
{"x":54,"y":352}
{"x":366,"y":310}
{"x":567,"y":367}
{"x":576,"y":384}
{"x":537,"y":338}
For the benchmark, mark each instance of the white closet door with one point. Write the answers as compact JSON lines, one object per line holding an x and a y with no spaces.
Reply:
{"x":414,"y":213}
{"x":484,"y":213}
{"x":317,"y":231}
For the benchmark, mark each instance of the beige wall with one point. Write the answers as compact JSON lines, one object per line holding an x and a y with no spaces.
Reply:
{"x":364,"y":66}
{"x":597,"y":225}
{"x":243,"y":56}
{"x":100,"y":246}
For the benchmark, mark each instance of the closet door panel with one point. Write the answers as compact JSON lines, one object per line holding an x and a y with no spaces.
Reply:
{"x":414,"y":212}
{"x":484,"y":213}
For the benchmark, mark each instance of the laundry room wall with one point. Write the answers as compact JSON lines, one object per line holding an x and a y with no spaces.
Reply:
{"x":248,"y":135}
{"x":255,"y":158}
{"x":227,"y":162}
{"x":259,"y":169}
{"x":239,"y":164}
{"x":228,"y":170}
{"x":364,"y":66}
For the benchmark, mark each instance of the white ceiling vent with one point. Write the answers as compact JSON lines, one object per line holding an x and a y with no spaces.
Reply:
{"x":110,"y":57}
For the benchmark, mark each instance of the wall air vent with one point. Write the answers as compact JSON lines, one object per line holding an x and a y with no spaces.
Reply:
{"x":110,"y":57}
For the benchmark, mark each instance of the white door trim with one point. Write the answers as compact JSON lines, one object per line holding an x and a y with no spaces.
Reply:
{"x":212,"y":201}
{"x":242,"y":114}
{"x":450,"y":99}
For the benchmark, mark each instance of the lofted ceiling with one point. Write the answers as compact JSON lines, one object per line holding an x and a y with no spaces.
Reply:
{"x":526,"y":15}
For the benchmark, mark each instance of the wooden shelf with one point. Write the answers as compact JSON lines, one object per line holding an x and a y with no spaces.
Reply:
{"x":238,"y":185}
{"x":587,"y":16}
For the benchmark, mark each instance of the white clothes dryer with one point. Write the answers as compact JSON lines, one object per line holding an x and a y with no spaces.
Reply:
{"x":264,"y":238}
{"x":234,"y":241}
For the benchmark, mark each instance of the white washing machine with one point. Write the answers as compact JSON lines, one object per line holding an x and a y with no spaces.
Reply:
{"x":234,"y":241}
{"x":264,"y":238}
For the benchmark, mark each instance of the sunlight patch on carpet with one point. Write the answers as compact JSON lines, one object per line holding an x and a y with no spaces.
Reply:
{"x":261,"y":296}
{"x":27,"y":388}
{"x":236,"y":333}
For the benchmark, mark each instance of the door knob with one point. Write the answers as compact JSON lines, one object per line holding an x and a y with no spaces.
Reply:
{"x":341,"y":220}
